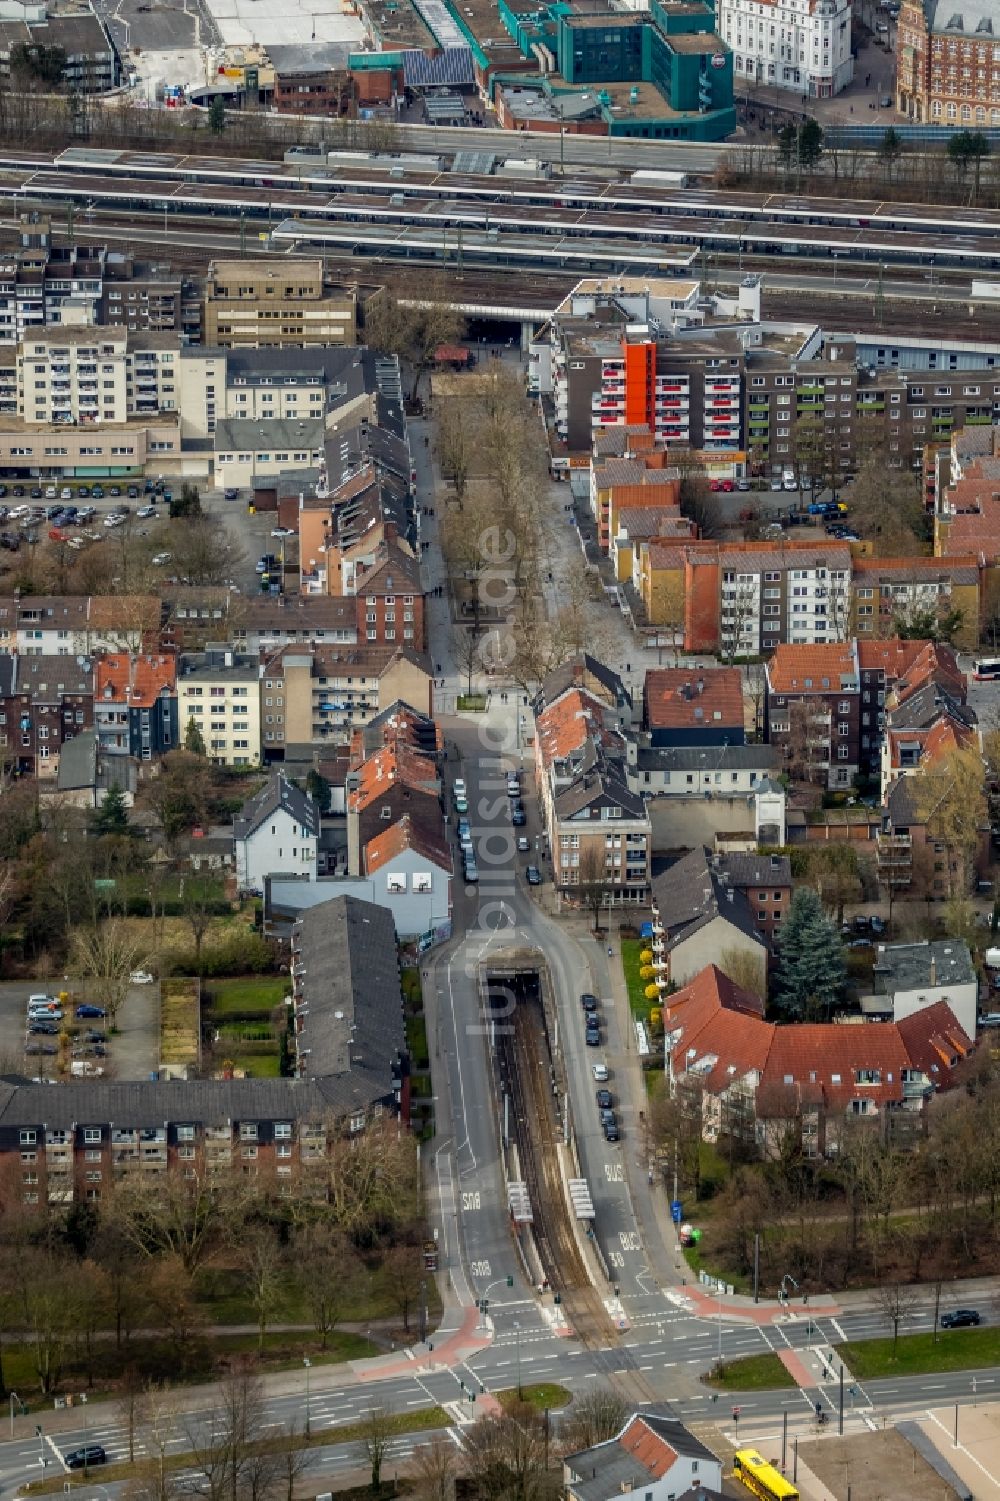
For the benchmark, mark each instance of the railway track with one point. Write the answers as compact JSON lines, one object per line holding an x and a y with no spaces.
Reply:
{"x":524,"y":1063}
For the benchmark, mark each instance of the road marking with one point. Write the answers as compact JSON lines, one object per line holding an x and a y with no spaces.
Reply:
{"x":840,"y":1332}
{"x":968,"y":1454}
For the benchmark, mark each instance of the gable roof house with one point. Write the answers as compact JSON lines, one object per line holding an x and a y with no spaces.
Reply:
{"x":277,"y":830}
{"x":696,"y":917}
{"x":653,"y":1455}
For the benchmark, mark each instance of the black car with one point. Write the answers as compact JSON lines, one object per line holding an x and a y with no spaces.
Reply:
{"x":97,"y":492}
{"x":133,"y":492}
{"x":231,"y":494}
{"x":18,"y":490}
{"x":115,"y":490}
{"x":588,"y":1001}
{"x":961,"y":1318}
{"x":90,"y":1454}
{"x":41,"y":1049}
{"x":611,"y":1132}
{"x":36,"y":493}
{"x":517,"y":817}
{"x":533,"y":875}
{"x":42,"y":1028}
{"x":605,"y":1099}
{"x":83,"y":491}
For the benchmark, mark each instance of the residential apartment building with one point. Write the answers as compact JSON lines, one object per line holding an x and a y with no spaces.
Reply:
{"x":389,"y":597}
{"x":658,"y":1455}
{"x":135,"y":705}
{"x":320,"y":694}
{"x":598,"y":827}
{"x":812,"y":710}
{"x":71,"y":625}
{"x":774,"y":593}
{"x":948,"y":64}
{"x":742,"y":393}
{"x":250,"y":304}
{"x":45,"y":454}
{"x":893,"y":594}
{"x":749,"y":1079}
{"x":42,"y":285}
{"x":644,"y":479}
{"x":803,"y":46}
{"x":890,"y":671}
{"x":218,"y":691}
{"x":85,"y":376}
{"x":44,"y":702}
{"x":341,"y":386}
{"x":766,"y":883}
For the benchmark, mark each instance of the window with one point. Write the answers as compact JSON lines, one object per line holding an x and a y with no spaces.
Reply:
{"x":28,"y":1138}
{"x":91,"y":1133}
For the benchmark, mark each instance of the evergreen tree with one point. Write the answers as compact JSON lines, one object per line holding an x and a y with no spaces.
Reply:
{"x":217,"y":115}
{"x":112,"y":816}
{"x":810,"y":144}
{"x":318,"y":789}
{"x":194,"y":740}
{"x":811,"y":972}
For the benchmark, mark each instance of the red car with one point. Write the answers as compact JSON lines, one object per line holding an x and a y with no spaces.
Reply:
{"x":726,"y":485}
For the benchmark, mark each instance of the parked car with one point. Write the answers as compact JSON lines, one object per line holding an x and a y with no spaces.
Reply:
{"x":523,"y":844}
{"x":283,"y":531}
{"x":611,"y":1131}
{"x":97,"y":491}
{"x":145,"y":512}
{"x":961,"y":1318}
{"x":518,"y":817}
{"x":230,"y":494}
{"x":41,"y":1049}
{"x":89,"y":1454}
{"x":89,"y":1012}
{"x":588,"y":1001}
{"x":605,"y":1099}
{"x":592,"y":1037}
{"x":600,"y":1073}
{"x":533,"y":875}
{"x":132,"y":492}
{"x":43,"y":1027}
{"x":727,"y":486}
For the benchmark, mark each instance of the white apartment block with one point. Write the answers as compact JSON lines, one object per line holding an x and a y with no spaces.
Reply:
{"x":218,"y":690}
{"x":765,"y":605}
{"x":800,"y":45}
{"x":85,"y":376}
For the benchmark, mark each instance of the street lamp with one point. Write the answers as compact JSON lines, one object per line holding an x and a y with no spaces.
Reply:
{"x":86,"y":1434}
{"x":308,"y":1365}
{"x":517,"y":1340}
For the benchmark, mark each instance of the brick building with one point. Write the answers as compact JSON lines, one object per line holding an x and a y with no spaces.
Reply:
{"x":135,"y":705}
{"x":948,"y":63}
{"x":44,"y":701}
{"x":812,"y":710}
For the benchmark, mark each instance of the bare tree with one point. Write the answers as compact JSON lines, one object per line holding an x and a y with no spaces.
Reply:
{"x":264,"y":1264}
{"x":157,"y":1426}
{"x":200,"y":896}
{"x":435,"y":1467}
{"x":227,"y":1463}
{"x":506,"y":1455}
{"x":595,"y":884}
{"x":106,"y":956}
{"x":176,"y":1216}
{"x":896,"y":1303}
{"x":378,"y":1428}
{"x":594,"y":1418}
{"x":331,"y":1276}
{"x":404,"y":1266}
{"x":746,"y":969}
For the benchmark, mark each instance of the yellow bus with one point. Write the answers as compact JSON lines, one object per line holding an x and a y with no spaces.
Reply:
{"x":761,"y":1478}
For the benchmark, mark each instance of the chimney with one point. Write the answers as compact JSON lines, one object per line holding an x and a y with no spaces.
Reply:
{"x":933,"y":971}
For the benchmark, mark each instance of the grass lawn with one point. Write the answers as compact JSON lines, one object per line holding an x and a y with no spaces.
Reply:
{"x":257,"y":994}
{"x":220,"y":1293}
{"x":752,"y":1373}
{"x":540,"y":1394}
{"x":256,"y":1065}
{"x":631,"y":949}
{"x":919,"y":1355}
{"x":416,"y":1041}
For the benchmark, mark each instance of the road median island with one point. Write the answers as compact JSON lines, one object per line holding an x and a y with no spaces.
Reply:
{"x":540,"y":1394}
{"x":921,"y":1354}
{"x":751,"y":1373}
{"x":282,"y":1443}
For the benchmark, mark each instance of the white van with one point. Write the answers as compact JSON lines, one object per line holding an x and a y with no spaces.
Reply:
{"x":789,"y":480}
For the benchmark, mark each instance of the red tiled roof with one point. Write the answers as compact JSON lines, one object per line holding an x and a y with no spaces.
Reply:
{"x":405,"y":835}
{"x":138,"y":681}
{"x":721,"y":1035}
{"x":685,"y":696}
{"x":811,"y":668}
{"x":392,"y":764}
{"x":714,"y":1018}
{"x":569,"y":723}
{"x":649,"y":1448}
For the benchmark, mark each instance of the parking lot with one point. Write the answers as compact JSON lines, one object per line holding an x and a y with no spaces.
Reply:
{"x":130,"y":1053}
{"x":252,"y":533}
